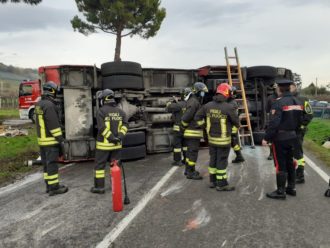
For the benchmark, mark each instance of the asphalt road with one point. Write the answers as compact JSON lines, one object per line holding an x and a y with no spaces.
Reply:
{"x":184,"y":213}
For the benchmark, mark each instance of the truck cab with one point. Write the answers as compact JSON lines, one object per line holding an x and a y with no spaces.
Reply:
{"x":29,"y":95}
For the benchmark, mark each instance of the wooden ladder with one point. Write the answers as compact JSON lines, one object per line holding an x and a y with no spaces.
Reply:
{"x":235,"y":78}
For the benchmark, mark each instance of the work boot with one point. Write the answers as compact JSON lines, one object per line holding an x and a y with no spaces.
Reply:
{"x":280,"y":192}
{"x":186,"y":168}
{"x":239,"y":157}
{"x":98,"y":186}
{"x":300,"y":177}
{"x":213,"y":181}
{"x":57,"y":189}
{"x":222,"y":185}
{"x":291,"y":191}
{"x":193,"y":174}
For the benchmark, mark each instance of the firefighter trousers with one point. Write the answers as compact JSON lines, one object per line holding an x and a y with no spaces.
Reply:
{"x":192,"y":151}
{"x":49,"y":156}
{"x":219,"y":161}
{"x":179,"y":148}
{"x":283,"y":159}
{"x":102,"y":157}
{"x":298,"y":152}
{"x":234,"y":142}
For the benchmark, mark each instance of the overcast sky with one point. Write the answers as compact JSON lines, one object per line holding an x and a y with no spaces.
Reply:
{"x":283,"y":33}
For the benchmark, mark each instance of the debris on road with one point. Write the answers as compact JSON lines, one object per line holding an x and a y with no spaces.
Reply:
{"x":326,"y":145}
{"x":9,"y":132}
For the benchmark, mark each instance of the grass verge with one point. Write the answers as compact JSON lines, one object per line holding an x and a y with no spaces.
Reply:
{"x":318,"y":133}
{"x":8,"y":114}
{"x":14,"y":151}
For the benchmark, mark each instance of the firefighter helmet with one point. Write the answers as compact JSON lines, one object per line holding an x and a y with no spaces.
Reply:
{"x":199,"y":87}
{"x":224,"y":89}
{"x":50,"y":89}
{"x":186,"y":92}
{"x":107,"y":96}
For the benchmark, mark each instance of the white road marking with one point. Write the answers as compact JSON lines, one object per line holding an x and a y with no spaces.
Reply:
{"x":317,"y":169}
{"x":262,"y":194}
{"x":224,"y":243}
{"x":27,"y":180}
{"x":175,"y":188}
{"x":120,"y":227}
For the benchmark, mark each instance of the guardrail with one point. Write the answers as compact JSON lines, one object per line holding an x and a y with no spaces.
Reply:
{"x":8,"y":102}
{"x":321,"y":112}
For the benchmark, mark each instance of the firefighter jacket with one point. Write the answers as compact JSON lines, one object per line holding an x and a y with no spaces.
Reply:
{"x":286,"y":117}
{"x":177,"y":109}
{"x":307,"y":114}
{"x":112,"y":127}
{"x":47,"y":122}
{"x":191,"y":129}
{"x":234,"y":103}
{"x":219,"y":117}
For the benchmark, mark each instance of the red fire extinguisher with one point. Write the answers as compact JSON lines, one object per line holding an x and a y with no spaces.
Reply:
{"x":117,"y":194}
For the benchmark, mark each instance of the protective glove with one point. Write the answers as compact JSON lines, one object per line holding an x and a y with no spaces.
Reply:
{"x":121,"y":136}
{"x":114,"y":139}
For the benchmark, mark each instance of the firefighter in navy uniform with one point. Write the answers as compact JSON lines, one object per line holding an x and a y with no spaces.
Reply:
{"x":234,"y":132}
{"x":192,"y":133}
{"x":219,"y":117}
{"x":286,"y":115}
{"x":50,"y":137}
{"x":112,"y":127}
{"x":307,"y":117}
{"x":270,"y":100}
{"x":177,"y":108}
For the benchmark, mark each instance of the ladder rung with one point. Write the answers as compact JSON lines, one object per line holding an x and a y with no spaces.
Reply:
{"x":239,"y":99}
{"x":245,"y":135}
{"x":231,"y":57}
{"x":242,"y":126}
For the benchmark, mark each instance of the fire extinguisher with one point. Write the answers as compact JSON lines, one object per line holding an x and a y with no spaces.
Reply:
{"x":117,"y":194}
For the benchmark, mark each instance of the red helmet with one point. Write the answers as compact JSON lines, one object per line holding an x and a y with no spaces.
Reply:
{"x":224,"y":89}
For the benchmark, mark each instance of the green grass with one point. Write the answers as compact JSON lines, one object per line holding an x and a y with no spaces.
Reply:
{"x":8,"y":114}
{"x":14,"y":151}
{"x":318,"y":132}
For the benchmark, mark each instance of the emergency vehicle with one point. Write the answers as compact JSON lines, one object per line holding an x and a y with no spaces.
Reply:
{"x":29,"y":95}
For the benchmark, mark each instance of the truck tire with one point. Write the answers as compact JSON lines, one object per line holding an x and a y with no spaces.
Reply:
{"x":134,"y":139}
{"x":121,"y":68}
{"x":135,"y":152}
{"x":261,"y":72}
{"x":117,"y":82}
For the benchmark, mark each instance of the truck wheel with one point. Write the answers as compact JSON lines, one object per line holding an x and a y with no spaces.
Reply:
{"x":134,"y":139}
{"x":134,"y":152}
{"x":261,"y":72}
{"x":121,"y":68}
{"x":32,"y":116}
{"x":123,"y":82}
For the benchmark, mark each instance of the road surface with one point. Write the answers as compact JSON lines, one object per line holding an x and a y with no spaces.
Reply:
{"x":182,"y":213}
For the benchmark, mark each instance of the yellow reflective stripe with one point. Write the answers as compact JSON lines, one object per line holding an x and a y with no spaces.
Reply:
{"x":107,"y":135}
{"x":212,"y":170}
{"x":221,"y":177}
{"x":236,"y":148}
{"x":185,"y":124}
{"x":120,"y":123}
{"x":234,"y":129}
{"x":50,"y":182}
{"x":107,"y":146}
{"x":47,"y":141}
{"x":99,"y":173}
{"x":308,"y":108}
{"x":301,"y":162}
{"x":42,"y":126}
{"x":223,"y":125}
{"x":57,"y":134}
{"x":185,"y":148}
{"x":105,"y":132}
{"x":222,"y":171}
{"x":201,"y":122}
{"x":53,"y":176}
{"x":45,"y":176}
{"x":177,"y":149}
{"x":208,"y":124}
{"x":55,"y":130}
{"x":124,"y":129}
{"x":190,"y":163}
{"x":176,"y":128}
{"x":219,"y":141}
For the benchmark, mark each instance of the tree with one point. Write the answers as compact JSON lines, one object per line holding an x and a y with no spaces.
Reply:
{"x":32,"y":2}
{"x":119,"y":17}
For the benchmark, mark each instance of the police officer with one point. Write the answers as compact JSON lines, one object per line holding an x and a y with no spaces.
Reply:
{"x":192,"y":133}
{"x":177,"y":108}
{"x":220,"y":117}
{"x":234,"y":132}
{"x":285,"y":118}
{"x":270,"y":100}
{"x":50,"y":137}
{"x":307,"y":117}
{"x":112,"y":127}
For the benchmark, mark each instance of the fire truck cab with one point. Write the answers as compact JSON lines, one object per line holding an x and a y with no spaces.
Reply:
{"x":29,"y":95}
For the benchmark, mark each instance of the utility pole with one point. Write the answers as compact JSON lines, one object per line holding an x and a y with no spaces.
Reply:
{"x":316,"y":87}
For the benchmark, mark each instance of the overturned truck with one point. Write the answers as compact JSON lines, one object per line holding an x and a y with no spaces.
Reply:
{"x":143,"y":93}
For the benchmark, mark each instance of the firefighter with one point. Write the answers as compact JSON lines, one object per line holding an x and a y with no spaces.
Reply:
{"x":177,"y":109}
{"x":234,"y":131}
{"x":219,"y":117}
{"x":285,"y":118}
{"x":192,"y":133}
{"x":112,"y":127}
{"x":270,"y":100}
{"x":307,"y":117}
{"x":50,"y":137}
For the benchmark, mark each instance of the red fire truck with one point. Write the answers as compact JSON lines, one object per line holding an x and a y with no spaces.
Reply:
{"x":29,"y":95}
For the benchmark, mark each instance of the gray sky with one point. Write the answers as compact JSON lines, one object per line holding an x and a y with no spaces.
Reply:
{"x":284,"y":33}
